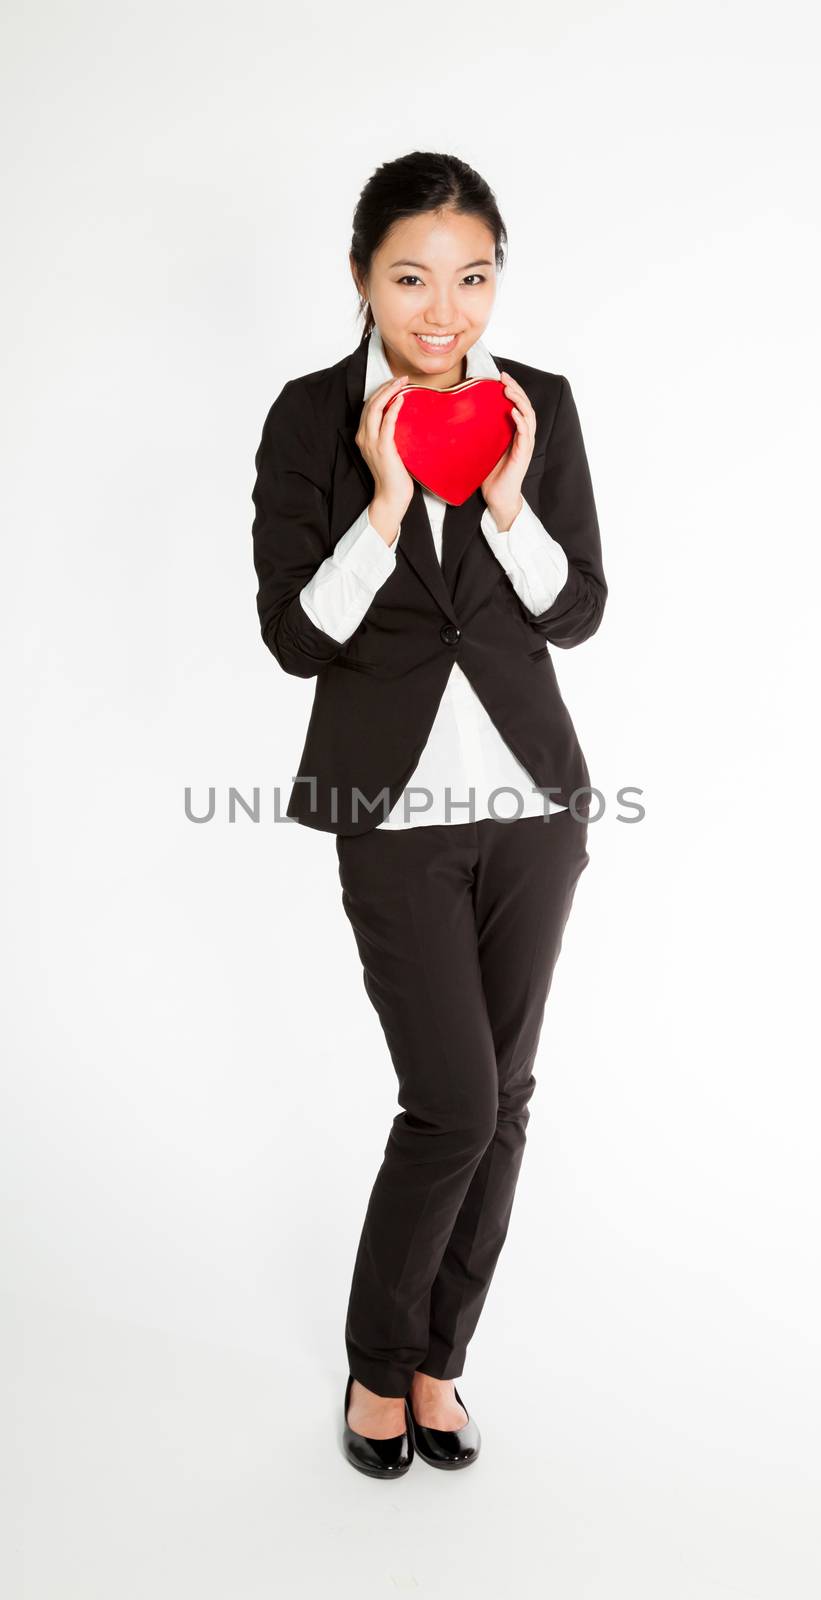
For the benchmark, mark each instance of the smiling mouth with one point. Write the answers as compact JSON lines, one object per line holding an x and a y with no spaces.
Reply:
{"x":429,"y":342}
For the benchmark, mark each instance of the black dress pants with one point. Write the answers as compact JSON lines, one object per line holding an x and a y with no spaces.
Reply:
{"x":458,"y":928}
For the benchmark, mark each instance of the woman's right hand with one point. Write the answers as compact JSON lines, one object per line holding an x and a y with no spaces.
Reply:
{"x":393,"y":490}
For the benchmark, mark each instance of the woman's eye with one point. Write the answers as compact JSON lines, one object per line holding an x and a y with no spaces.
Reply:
{"x":408,"y":275}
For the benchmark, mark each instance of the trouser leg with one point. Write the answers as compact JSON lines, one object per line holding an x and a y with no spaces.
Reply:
{"x":526,"y":877}
{"x":409,"y":898}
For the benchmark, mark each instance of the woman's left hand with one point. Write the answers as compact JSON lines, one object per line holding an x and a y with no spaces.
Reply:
{"x":502,"y":487}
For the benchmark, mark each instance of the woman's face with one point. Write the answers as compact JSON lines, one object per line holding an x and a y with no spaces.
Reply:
{"x":434,"y":274}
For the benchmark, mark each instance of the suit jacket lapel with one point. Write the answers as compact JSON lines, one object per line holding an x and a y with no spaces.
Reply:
{"x":416,"y":539}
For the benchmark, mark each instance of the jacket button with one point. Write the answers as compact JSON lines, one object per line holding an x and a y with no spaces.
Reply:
{"x":450,"y":633}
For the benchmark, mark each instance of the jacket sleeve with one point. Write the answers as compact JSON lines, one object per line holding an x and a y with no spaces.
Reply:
{"x":291,"y":533}
{"x":568,"y":511}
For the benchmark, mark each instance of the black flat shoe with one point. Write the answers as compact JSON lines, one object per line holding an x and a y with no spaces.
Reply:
{"x":379,"y":1458}
{"x":447,"y":1447}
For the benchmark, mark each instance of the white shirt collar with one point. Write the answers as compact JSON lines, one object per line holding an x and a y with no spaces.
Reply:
{"x":479,"y":363}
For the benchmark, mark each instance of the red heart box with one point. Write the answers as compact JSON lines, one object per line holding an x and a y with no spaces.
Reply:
{"x":450,"y":439}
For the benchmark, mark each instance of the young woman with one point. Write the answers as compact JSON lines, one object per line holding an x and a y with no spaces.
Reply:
{"x":426,"y":628}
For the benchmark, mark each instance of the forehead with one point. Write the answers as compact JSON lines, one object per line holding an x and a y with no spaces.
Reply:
{"x":433,"y":237}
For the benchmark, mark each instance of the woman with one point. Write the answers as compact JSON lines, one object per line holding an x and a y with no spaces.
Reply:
{"x":425,"y":628}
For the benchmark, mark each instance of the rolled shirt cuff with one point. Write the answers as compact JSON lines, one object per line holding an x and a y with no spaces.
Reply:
{"x":535,"y":562}
{"x":342,"y":588}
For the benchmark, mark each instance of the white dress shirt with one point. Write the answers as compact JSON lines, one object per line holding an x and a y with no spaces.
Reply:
{"x":465,"y":758}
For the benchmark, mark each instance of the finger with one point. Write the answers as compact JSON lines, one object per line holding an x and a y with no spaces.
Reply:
{"x":523,"y":425}
{"x":389,"y":418}
{"x":379,"y":400}
{"x":514,"y":388}
{"x":510,"y":383}
{"x":381,"y":396}
{"x":387,"y":432}
{"x":526,"y":409}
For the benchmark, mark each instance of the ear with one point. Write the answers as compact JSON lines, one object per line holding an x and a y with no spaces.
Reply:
{"x":357,"y":285}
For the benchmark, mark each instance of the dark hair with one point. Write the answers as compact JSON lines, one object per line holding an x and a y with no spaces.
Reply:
{"x":420,"y":181}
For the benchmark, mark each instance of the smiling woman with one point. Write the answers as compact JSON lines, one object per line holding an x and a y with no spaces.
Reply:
{"x":442,"y":610}
{"x":429,"y":282}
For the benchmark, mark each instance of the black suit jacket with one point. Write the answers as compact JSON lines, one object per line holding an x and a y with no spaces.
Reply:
{"x":377,"y":694}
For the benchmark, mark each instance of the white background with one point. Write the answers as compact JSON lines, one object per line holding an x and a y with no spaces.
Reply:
{"x":189,"y":1138}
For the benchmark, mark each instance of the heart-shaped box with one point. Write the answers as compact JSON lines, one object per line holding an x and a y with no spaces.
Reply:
{"x":450,"y":439}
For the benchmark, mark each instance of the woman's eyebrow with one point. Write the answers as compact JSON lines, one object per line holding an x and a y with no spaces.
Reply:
{"x":421,"y":264}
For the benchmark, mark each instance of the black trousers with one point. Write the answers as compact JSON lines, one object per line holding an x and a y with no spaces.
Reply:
{"x":458,"y":928}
